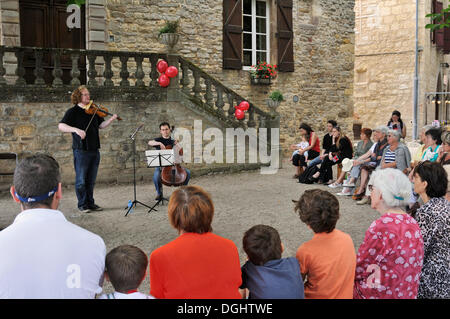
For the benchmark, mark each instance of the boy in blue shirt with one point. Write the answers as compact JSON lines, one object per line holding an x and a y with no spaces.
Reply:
{"x":266,"y":275}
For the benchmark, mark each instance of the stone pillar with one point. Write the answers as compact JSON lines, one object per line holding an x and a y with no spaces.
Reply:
{"x":96,"y":32}
{"x":9,"y":34}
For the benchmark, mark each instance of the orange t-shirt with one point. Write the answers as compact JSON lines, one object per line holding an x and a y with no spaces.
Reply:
{"x":329,"y":261}
{"x":196,"y":266}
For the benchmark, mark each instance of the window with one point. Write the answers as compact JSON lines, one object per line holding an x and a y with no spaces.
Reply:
{"x":255,"y":31}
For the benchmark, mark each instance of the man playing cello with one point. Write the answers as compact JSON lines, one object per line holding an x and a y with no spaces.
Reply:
{"x":85,"y":145}
{"x":161,"y":143}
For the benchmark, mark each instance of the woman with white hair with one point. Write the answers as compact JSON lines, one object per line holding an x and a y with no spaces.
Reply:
{"x":389,"y":260}
{"x":397,"y":154}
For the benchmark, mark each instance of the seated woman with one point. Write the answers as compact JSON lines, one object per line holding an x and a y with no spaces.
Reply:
{"x":362,"y":149}
{"x":375,"y":159}
{"x":197,"y":264}
{"x":390,"y":258}
{"x":298,"y":160}
{"x":430,"y":182}
{"x":444,"y":159}
{"x":434,"y":141}
{"x":342,"y":148}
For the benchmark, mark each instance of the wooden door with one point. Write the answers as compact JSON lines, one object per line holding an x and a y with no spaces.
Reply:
{"x":43,"y":24}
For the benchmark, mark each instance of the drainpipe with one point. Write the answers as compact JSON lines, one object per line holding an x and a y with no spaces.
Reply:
{"x":416,"y":76}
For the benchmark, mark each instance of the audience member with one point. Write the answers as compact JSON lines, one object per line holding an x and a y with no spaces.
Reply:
{"x":125,"y":268}
{"x":434,"y":142}
{"x":197,"y":264}
{"x":42,"y":254}
{"x":396,"y":155}
{"x":301,"y":146}
{"x":313,"y":149}
{"x":430,"y":182}
{"x":362,"y":148}
{"x":327,"y":142}
{"x":342,"y":148}
{"x":266,"y":275}
{"x":444,"y":159}
{"x":417,"y":156}
{"x":396,"y":123}
{"x":390,"y":258}
{"x":328,"y":260}
{"x":375,"y":160}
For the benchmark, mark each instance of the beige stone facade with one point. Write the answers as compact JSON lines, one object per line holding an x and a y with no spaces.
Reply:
{"x":385,"y":63}
{"x":323,"y":50}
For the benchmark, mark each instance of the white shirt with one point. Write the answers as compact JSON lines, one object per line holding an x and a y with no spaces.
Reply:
{"x":42,"y":255}
{"x":119,"y":295}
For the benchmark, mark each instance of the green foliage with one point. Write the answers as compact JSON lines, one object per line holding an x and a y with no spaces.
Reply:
{"x":169,"y":27}
{"x":276,"y":96}
{"x":441,"y":20}
{"x":77,"y":2}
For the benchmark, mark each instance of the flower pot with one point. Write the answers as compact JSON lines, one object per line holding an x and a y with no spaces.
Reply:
{"x":273,"y":105}
{"x":170,"y":39}
{"x":261,"y":81}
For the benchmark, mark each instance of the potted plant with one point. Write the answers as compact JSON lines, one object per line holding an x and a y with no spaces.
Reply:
{"x":275,"y":98}
{"x":168,"y":33}
{"x":263,"y":73}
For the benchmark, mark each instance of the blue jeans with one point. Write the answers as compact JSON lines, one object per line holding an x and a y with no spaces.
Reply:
{"x":315,"y":161}
{"x":86,"y":166}
{"x":157,"y":179}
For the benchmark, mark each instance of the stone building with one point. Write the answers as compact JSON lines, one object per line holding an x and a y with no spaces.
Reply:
{"x":385,"y":63}
{"x":117,"y":47}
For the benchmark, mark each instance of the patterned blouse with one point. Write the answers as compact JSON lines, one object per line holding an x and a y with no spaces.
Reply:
{"x":389,"y":260}
{"x":434,"y":221}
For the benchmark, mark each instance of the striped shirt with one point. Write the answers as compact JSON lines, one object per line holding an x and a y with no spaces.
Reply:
{"x":389,"y":157}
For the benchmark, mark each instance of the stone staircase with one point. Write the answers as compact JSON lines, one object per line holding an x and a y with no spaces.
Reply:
{"x":127,"y":83}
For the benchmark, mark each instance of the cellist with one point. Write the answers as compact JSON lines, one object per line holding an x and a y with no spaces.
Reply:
{"x":161,"y":143}
{"x":85,"y":145}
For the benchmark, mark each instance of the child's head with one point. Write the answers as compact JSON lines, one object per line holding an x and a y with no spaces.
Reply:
{"x":318,"y":209}
{"x":261,"y":244}
{"x":125,"y":267}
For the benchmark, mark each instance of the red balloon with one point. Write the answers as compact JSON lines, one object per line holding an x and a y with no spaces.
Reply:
{"x":164,"y":80}
{"x":244,"y":106}
{"x":239,"y":114}
{"x":161,"y":66}
{"x":171,"y":71}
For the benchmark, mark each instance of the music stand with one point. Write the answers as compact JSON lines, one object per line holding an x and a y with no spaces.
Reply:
{"x":159,"y":158}
{"x":135,"y":202}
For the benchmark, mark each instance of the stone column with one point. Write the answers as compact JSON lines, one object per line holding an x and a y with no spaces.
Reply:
{"x":9,"y":35}
{"x":96,"y":32}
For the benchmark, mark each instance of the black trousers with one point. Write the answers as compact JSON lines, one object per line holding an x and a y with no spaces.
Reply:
{"x":299,"y":160}
{"x":326,"y":169}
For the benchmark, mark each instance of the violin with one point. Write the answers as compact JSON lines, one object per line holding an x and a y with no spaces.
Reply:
{"x":101,"y":111}
{"x":173,"y":175}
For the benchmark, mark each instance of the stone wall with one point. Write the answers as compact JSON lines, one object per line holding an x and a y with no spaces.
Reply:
{"x":385,"y":61}
{"x":323,"y":49}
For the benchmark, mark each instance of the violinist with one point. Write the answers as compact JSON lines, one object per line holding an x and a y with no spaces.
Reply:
{"x":161,"y":143}
{"x":85,"y":144}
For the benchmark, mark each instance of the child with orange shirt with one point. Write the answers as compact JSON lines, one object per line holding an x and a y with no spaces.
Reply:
{"x":328,"y":260}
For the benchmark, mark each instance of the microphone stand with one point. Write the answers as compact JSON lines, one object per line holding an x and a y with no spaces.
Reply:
{"x":135,"y":202}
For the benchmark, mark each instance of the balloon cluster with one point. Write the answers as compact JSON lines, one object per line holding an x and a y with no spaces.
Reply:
{"x":167,"y":72}
{"x":239,"y":113}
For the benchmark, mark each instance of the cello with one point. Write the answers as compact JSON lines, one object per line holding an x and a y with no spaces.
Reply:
{"x":174,"y":175}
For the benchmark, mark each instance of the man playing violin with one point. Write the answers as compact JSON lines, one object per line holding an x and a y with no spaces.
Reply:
{"x":161,"y":143}
{"x":85,"y":144}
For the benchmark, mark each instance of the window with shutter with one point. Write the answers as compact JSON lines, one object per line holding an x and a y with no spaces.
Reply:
{"x":439,"y":33}
{"x":285,"y":36}
{"x":232,"y":34}
{"x":256,"y":33}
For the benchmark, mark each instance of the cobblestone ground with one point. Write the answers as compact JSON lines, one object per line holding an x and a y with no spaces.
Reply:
{"x":241,"y":201}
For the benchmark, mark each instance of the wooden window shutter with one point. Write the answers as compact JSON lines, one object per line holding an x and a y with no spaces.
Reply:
{"x":446,"y":49}
{"x":232,"y":34}
{"x":285,"y":36}
{"x":439,"y":32}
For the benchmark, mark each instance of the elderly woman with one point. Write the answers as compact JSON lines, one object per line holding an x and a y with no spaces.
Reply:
{"x":397,"y":154}
{"x":430,"y":182}
{"x":375,"y":158}
{"x":390,"y":258}
{"x":197,"y":264}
